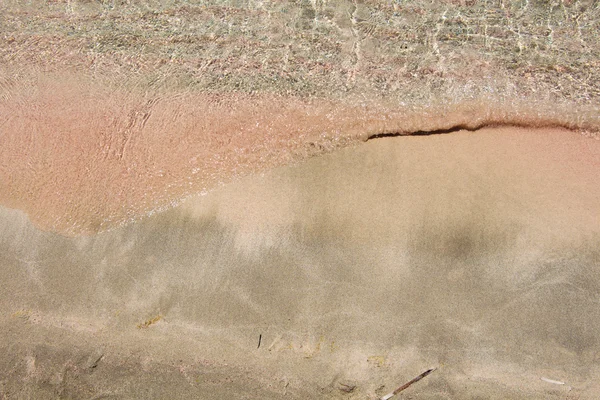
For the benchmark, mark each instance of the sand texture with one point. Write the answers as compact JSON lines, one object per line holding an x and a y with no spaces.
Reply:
{"x":299,"y":199}
{"x":473,"y":252}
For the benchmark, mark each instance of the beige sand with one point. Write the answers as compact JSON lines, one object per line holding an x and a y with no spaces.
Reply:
{"x":327,"y":260}
{"x":473,"y":252}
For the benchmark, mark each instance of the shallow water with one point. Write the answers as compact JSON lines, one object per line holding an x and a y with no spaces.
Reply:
{"x":79,"y":157}
{"x":312,"y":199}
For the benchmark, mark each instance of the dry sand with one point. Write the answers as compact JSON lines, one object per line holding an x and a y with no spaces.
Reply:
{"x":473,"y":252}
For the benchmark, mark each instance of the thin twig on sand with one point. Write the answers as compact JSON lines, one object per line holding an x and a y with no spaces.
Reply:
{"x":407,"y":384}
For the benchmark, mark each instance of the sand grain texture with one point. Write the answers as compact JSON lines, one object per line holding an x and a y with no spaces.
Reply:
{"x":299,"y":200}
{"x":360,"y":267}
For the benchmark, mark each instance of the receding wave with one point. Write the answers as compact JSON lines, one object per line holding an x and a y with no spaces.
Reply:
{"x":80,"y":157}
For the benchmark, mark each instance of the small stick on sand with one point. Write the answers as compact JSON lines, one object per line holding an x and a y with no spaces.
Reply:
{"x":407,"y":384}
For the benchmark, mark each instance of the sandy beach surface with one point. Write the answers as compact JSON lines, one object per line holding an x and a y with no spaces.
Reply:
{"x":231,"y":199}
{"x":341,"y":277}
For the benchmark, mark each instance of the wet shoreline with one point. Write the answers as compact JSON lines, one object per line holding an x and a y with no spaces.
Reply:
{"x":473,"y":251}
{"x":82,"y":159}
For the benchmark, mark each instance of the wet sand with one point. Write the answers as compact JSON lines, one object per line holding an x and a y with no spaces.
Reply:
{"x":352,"y":234}
{"x":473,"y":252}
{"x":79,"y":157}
